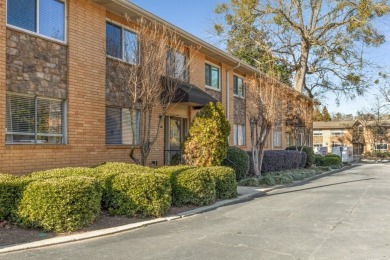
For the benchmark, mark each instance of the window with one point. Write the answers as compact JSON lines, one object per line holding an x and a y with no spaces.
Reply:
{"x":45,"y":17}
{"x":32,"y":120}
{"x":278,"y":134}
{"x":118,"y":126}
{"x":177,"y":65}
{"x":239,"y":135}
{"x":336,"y":144}
{"x":317,"y":133}
{"x":380,"y":147}
{"x":337,"y":132}
{"x":121,"y":43}
{"x":212,"y":76}
{"x":238,"y":86}
{"x":317,"y":145}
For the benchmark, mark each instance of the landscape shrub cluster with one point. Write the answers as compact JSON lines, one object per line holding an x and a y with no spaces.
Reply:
{"x":238,"y":160}
{"x":69,"y":199}
{"x":329,"y":160}
{"x":376,"y":155}
{"x":279,"y":160}
{"x":308,"y":151}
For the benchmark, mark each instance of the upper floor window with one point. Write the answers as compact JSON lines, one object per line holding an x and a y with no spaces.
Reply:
{"x":177,"y":65}
{"x":238,"y":86}
{"x":337,"y":132}
{"x":211,"y":76}
{"x":45,"y":17}
{"x":121,"y":43}
{"x":317,"y":133}
{"x":34,"y":120}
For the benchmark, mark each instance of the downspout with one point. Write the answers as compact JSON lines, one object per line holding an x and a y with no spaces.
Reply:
{"x":228,"y":91}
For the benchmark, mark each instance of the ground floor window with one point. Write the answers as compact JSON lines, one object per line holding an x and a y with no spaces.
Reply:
{"x":336,"y":144}
{"x":277,"y":138}
{"x":34,"y":120}
{"x":239,"y":135}
{"x":381,"y":147}
{"x":317,"y":145}
{"x":119,"y":126}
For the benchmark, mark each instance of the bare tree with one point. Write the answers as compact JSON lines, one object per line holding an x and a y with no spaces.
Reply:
{"x":154,"y":63}
{"x":299,"y":118}
{"x":263,"y":95}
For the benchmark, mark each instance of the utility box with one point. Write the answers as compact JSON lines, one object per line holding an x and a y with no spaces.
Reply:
{"x":345,"y":152}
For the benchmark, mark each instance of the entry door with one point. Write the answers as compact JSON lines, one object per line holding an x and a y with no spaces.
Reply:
{"x":175,"y":131}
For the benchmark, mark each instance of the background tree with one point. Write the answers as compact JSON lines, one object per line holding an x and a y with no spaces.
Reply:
{"x":263,"y":104}
{"x":146,"y":80}
{"x":374,"y":121}
{"x":317,"y":116}
{"x":207,"y":141}
{"x":320,"y":42}
{"x":325,"y":115}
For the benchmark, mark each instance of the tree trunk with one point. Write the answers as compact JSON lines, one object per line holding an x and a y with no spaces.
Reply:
{"x":299,"y":80}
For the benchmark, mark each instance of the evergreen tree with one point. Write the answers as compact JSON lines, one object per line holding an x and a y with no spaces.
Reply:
{"x":317,"y":116}
{"x":207,"y":140}
{"x":325,"y":115}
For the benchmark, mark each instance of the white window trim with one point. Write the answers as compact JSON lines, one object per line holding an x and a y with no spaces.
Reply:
{"x":65,"y":41}
{"x":123,"y":28}
{"x":243,"y":85}
{"x":219,"y":76}
{"x":317,"y":133}
{"x":64,"y":120}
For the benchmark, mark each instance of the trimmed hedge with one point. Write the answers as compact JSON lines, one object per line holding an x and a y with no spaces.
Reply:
{"x":237,"y":159}
{"x":11,"y":190}
{"x":134,"y":193}
{"x":63,"y":172}
{"x":107,"y":171}
{"x":225,"y":181}
{"x":60,"y":204}
{"x":310,"y":155}
{"x":190,"y":185}
{"x":328,"y":160}
{"x":279,"y":160}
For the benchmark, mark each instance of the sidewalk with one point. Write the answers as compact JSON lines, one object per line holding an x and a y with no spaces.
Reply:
{"x":244,"y":194}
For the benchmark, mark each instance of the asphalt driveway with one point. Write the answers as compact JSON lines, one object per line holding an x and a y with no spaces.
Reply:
{"x":342,"y":216}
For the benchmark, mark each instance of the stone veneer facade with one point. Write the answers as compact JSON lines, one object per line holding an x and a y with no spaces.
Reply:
{"x":36,"y":66}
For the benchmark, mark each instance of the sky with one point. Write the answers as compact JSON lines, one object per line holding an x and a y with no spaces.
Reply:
{"x":196,"y":17}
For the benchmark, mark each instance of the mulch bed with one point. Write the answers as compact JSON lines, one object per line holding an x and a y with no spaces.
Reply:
{"x":12,"y":234}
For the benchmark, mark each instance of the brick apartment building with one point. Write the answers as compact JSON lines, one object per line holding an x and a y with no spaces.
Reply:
{"x":56,"y":109}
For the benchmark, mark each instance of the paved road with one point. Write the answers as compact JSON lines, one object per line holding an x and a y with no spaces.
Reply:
{"x":343,"y":216}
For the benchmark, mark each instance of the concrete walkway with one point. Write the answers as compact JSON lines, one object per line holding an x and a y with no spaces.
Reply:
{"x":244,"y":194}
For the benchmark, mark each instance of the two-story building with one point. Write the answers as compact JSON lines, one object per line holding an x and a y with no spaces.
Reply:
{"x":56,"y":108}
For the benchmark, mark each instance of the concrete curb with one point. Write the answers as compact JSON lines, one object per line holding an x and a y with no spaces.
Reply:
{"x":113,"y":230}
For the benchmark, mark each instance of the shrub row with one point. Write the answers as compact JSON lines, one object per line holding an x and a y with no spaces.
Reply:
{"x":328,"y":160}
{"x":71,"y":198}
{"x":238,"y":160}
{"x":310,"y":155}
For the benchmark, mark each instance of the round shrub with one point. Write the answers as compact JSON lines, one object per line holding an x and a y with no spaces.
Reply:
{"x":238,"y":160}
{"x":60,"y":204}
{"x":310,"y":155}
{"x":11,"y":189}
{"x":145,"y":194}
{"x":190,"y":185}
{"x":251,"y":182}
{"x":107,"y":171}
{"x":330,"y":160}
{"x":225,"y":182}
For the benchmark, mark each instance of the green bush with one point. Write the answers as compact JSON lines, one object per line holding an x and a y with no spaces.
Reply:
{"x":63,"y":172}
{"x":190,"y":185}
{"x":11,"y":190}
{"x":268,"y":180}
{"x":252,"y":182}
{"x":283,"y":179}
{"x":207,"y":140}
{"x":330,"y":160}
{"x":225,"y":182}
{"x":107,"y":171}
{"x":60,"y":204}
{"x":238,"y":160}
{"x":310,"y":155}
{"x":297,"y":176}
{"x":146,"y":194}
